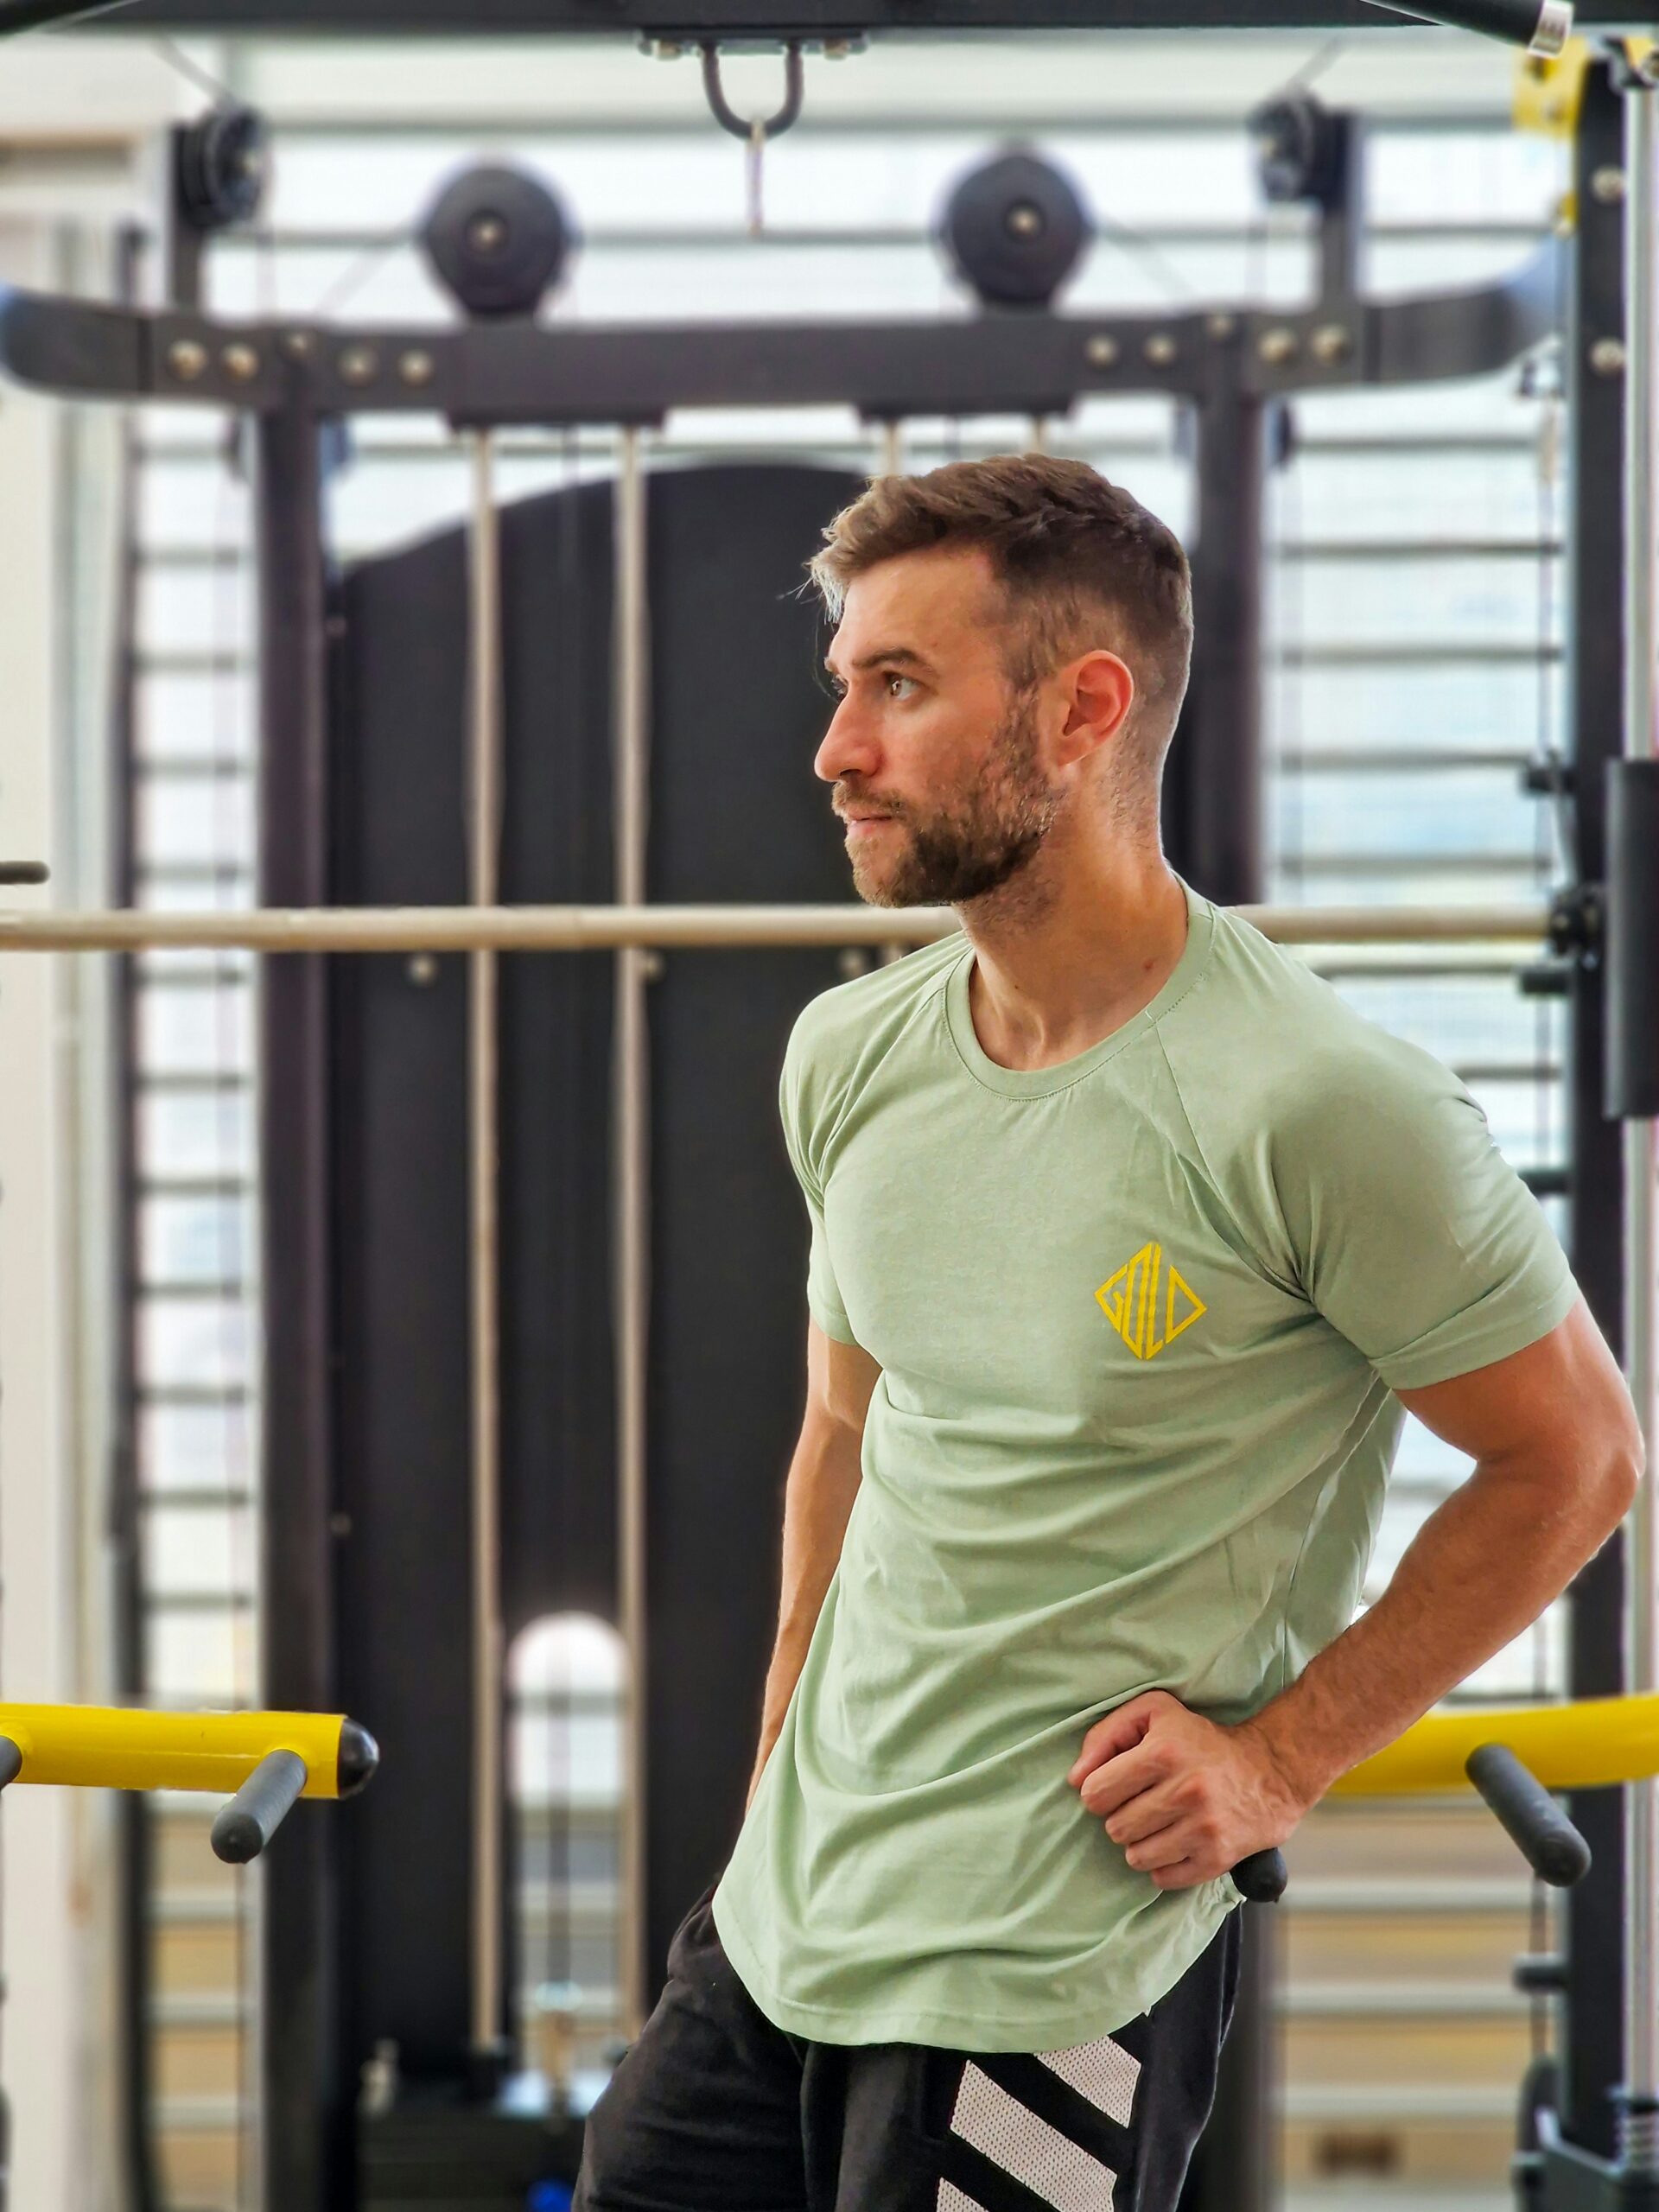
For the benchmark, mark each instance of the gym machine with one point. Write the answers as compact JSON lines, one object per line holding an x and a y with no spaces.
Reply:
{"x":1010,"y":234}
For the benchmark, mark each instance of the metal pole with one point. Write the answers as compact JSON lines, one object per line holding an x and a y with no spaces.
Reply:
{"x":1640,"y":2144}
{"x":306,"y":2133}
{"x":632,"y":1195}
{"x":1592,"y":2012}
{"x":892,"y":448}
{"x":484,"y":825}
{"x":600,"y":929}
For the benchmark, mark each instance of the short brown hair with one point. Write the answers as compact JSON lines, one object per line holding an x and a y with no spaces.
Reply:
{"x":1067,"y":547}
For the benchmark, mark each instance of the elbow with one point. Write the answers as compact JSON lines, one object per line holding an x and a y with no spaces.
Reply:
{"x":1622,"y":1472}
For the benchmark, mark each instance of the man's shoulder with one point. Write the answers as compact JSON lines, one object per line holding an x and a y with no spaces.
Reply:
{"x":1264,"y":1041}
{"x":868,"y":1006}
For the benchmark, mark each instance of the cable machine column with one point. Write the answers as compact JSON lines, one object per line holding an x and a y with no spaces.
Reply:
{"x":484,"y":840}
{"x":1633,"y":1094}
{"x":632,"y":1200}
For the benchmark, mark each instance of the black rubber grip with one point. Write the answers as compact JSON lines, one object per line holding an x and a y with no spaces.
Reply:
{"x":1261,"y":1878}
{"x":246,"y":1825}
{"x":1550,"y":1844}
{"x":11,"y":1761}
{"x":24,"y":871}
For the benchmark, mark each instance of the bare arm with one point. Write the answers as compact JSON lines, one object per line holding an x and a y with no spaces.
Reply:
{"x":823,"y":1477}
{"x":1558,"y":1454}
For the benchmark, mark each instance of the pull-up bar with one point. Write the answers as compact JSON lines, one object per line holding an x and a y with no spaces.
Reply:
{"x":598,"y":929}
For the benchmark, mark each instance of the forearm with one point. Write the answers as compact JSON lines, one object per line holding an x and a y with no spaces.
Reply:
{"x":823,"y":1477}
{"x":1481,"y":1569}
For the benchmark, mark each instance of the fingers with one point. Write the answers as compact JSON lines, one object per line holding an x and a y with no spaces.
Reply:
{"x":1119,"y":1730}
{"x":1185,"y":1874}
{"x":1130,"y":1774}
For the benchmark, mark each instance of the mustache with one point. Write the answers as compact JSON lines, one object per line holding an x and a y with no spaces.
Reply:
{"x":872,"y":802}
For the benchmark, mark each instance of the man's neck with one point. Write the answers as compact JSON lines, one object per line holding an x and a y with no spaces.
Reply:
{"x":1065,"y":958}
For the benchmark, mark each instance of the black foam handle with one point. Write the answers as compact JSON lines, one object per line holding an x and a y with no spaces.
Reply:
{"x":246,"y":1825}
{"x":24,"y":871}
{"x":1261,"y":1878}
{"x":1550,"y":1844}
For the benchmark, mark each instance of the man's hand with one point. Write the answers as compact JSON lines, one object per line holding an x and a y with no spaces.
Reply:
{"x":1186,"y":1799}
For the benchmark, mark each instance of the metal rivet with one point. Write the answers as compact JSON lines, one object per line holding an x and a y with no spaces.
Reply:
{"x":1102,"y":352}
{"x":1607,"y":185}
{"x":416,"y":367}
{"x":852,"y":962}
{"x":666,"y":49}
{"x":1160,"y":351}
{"x":422,"y":968}
{"x":1607,"y":356}
{"x":1331,"y":342}
{"x":1278,"y":347}
{"x":1222,"y":326}
{"x":187,"y":359}
{"x":241,"y":361}
{"x":299,"y":343}
{"x":358,"y":365}
{"x":836,"y":49}
{"x":487,"y":233}
{"x":652,"y":966}
{"x":1025,"y":221}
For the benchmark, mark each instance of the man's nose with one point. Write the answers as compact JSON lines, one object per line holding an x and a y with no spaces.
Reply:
{"x":849,"y":746}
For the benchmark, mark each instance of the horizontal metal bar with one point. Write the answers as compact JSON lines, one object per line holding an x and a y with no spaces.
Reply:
{"x":194,"y":1186}
{"x":706,"y":238}
{"x":228,"y":1292}
{"x":482,"y":375}
{"x":369,"y":450}
{"x":191,"y":1082}
{"x":215,"y":1395}
{"x":1382,"y":2000}
{"x":1391,"y":653}
{"x":1384,"y":865}
{"x":1320,"y":1896}
{"x":525,"y":132}
{"x":1396,"y":761}
{"x":195,"y":1501}
{"x":198,"y":1601}
{"x":1348,"y":2103}
{"x":576,"y":929}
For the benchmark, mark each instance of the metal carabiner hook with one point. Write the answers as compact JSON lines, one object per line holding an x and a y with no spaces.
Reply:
{"x":727,"y":116}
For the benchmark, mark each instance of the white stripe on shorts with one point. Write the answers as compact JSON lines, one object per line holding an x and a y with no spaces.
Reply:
{"x":950,"y":2199}
{"x":1103,"y":2072}
{"x":1049,"y":2164}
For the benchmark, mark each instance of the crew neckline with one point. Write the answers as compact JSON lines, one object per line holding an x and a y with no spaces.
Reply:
{"x":1039,"y":1083}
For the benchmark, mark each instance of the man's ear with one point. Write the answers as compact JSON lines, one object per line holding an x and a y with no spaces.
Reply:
{"x":1101,"y":692}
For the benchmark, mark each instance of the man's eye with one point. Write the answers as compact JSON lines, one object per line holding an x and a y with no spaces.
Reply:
{"x":894,"y":678}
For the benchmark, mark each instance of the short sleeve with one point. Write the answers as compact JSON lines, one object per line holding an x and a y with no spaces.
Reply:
{"x":1410,"y":1232}
{"x":822,"y":1295}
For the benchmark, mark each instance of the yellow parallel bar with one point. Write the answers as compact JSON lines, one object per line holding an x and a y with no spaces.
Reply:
{"x":110,"y":1747}
{"x":1578,"y":1746}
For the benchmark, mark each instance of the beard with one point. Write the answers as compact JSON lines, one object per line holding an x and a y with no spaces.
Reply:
{"x":973,"y":844}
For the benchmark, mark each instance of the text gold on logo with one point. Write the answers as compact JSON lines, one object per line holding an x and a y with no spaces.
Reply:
{"x":1131,"y":1302}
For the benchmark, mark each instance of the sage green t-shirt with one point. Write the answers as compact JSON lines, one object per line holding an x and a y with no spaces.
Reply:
{"x":1139,"y":1318}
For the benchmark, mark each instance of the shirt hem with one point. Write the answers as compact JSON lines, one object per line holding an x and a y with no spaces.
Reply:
{"x":1421,"y":1367}
{"x":952,"y":2030}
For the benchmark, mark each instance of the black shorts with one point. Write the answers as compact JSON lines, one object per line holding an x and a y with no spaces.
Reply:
{"x":714,"y":2109}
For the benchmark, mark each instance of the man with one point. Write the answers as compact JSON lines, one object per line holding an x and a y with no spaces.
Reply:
{"x":1131,"y":1243}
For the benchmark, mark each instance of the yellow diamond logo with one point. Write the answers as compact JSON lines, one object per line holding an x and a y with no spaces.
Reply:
{"x":1130,"y":1302}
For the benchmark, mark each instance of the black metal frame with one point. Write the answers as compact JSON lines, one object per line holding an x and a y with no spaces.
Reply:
{"x":771,"y":20}
{"x":1230,"y":365}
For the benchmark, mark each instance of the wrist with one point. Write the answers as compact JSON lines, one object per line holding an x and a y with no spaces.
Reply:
{"x":1291,"y":1748}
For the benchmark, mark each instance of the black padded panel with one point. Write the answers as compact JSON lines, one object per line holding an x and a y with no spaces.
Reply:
{"x":737,"y":708}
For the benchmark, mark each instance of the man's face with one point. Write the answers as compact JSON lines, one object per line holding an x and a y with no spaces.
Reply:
{"x":936,"y":759}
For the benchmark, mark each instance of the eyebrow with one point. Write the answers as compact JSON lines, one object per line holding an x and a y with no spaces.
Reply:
{"x":886,"y":657}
